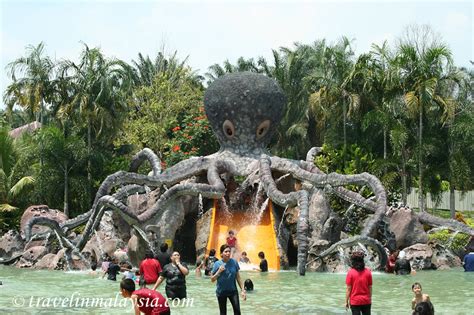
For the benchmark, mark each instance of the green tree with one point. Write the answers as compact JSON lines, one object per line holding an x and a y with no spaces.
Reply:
{"x":32,"y":82}
{"x":100,"y":87}
{"x":10,"y":187}
{"x":422,"y":63}
{"x":158,"y":110}
{"x":63,"y":154}
{"x":335,"y":98}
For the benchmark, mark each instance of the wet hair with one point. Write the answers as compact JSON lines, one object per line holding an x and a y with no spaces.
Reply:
{"x":164,"y":247}
{"x":212,"y":252}
{"x":223,"y":248}
{"x":149,"y":254}
{"x":248,"y":285}
{"x":127,"y":285}
{"x":94,"y":266}
{"x":415,"y":284}
{"x":244,"y":253}
{"x":261,"y":255}
{"x":357,"y":261}
{"x":424,"y":308}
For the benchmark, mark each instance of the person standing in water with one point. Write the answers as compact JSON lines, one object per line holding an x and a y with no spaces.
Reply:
{"x":226,"y":272}
{"x":359,"y":286}
{"x":419,"y":296}
{"x":175,"y":274}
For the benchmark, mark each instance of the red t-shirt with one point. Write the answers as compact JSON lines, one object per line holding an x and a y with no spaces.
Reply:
{"x":150,"y":269}
{"x":361,"y":281}
{"x":231,"y":241}
{"x":151,"y":301}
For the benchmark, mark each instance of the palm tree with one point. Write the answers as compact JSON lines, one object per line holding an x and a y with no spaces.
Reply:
{"x":422,"y":69}
{"x":9,"y":189}
{"x":334,"y":96}
{"x":145,"y":70}
{"x":100,"y":88}
{"x":459,"y":134}
{"x":242,"y":65}
{"x":32,"y":82}
{"x":62,"y":153}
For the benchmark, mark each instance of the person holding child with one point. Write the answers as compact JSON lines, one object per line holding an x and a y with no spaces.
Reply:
{"x":420,"y":297}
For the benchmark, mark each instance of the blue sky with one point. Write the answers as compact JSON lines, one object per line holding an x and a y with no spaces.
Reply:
{"x":210,"y":32}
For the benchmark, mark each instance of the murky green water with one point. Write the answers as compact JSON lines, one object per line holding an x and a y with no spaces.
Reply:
{"x":34,"y":292}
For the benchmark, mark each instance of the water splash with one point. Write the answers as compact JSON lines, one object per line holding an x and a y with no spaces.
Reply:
{"x":258,"y":215}
{"x":200,"y":207}
{"x":281,"y":222}
{"x":46,"y":239}
{"x":66,"y":258}
{"x":99,"y":243}
{"x":256,"y":198}
{"x":451,"y":239}
{"x":145,"y":238}
{"x":225,"y":208}
{"x":279,"y":179}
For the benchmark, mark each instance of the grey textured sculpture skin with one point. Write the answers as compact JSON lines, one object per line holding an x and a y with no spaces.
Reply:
{"x":244,"y":110}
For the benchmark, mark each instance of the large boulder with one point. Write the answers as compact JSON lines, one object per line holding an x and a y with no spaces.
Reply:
{"x":11,"y":243}
{"x":46,"y":262}
{"x":40,"y":211}
{"x":407,"y":228}
{"x":431,"y":256}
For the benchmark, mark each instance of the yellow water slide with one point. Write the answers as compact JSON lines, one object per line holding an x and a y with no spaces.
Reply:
{"x":251,"y":237}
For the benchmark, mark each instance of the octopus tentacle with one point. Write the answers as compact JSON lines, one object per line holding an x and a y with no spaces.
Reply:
{"x":215,"y":188}
{"x":352,"y":241}
{"x":299,"y":198}
{"x":312,"y":153}
{"x":334,"y":180}
{"x":146,"y":155}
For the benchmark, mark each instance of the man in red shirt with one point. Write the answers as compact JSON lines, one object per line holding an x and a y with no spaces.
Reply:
{"x":150,"y":268}
{"x":146,"y":301}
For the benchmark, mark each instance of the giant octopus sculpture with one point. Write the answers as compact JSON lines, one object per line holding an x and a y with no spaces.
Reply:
{"x":244,"y":110}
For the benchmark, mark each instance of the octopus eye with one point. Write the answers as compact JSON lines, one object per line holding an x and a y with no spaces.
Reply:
{"x":229,"y":129}
{"x":262,"y":129}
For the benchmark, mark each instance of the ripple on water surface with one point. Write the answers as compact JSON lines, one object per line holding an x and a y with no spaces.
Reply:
{"x":275,"y":293}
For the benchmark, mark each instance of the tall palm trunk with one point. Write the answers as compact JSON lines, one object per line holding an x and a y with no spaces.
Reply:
{"x":89,"y":163}
{"x":384,"y":143}
{"x":344,"y":118}
{"x":421,"y":197}
{"x":452,"y":202}
{"x":404,"y":177}
{"x":66,"y":190}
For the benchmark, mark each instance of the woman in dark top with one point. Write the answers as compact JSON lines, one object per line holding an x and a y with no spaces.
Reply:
{"x":175,"y":274}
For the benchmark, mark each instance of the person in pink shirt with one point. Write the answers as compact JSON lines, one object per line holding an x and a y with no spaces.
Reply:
{"x":359,"y":286}
{"x":146,"y":301}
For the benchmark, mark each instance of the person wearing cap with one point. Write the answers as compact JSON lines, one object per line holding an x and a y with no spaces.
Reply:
{"x":359,"y":286}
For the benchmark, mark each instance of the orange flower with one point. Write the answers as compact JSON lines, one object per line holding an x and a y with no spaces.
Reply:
{"x":176,"y":128}
{"x":176,"y":148}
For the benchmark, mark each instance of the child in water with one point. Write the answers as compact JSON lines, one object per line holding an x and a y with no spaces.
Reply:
{"x":419,"y":296}
{"x":231,"y":242}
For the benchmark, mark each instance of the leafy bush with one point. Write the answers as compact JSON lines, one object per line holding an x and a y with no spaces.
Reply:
{"x":452,"y":241}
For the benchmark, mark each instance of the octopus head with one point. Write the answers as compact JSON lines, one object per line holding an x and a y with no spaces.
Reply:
{"x":244,"y":110}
